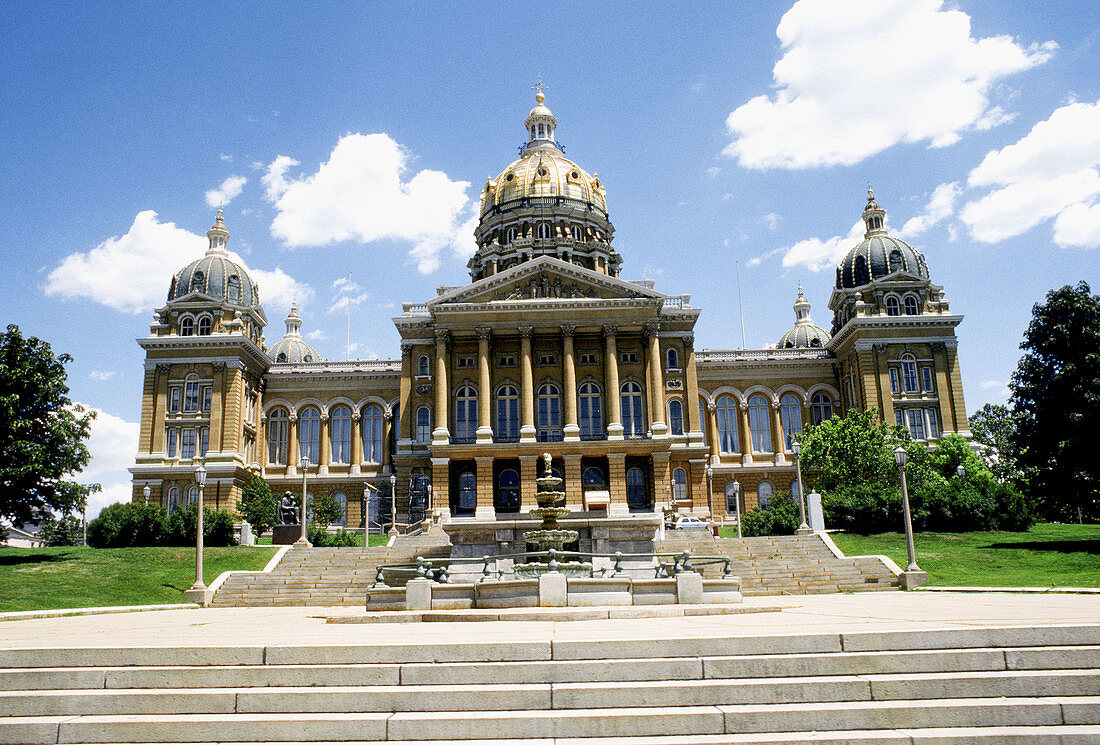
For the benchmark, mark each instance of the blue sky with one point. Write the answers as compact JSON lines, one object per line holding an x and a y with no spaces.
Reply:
{"x":349,"y":142}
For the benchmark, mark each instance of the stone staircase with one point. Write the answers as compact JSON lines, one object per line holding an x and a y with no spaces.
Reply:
{"x":784,"y":565}
{"x":1039,"y":684}
{"x":326,"y":576}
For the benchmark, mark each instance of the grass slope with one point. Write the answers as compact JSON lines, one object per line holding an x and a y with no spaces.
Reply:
{"x":50,"y":578}
{"x":1045,"y":556}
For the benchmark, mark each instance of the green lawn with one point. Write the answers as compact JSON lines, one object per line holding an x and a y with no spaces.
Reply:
{"x":1045,"y":556}
{"x":375,"y":540}
{"x":49,"y":578}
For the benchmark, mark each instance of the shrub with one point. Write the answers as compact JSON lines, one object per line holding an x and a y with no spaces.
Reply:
{"x":125,"y":524}
{"x":780,"y":517}
{"x":863,"y":508}
{"x":326,"y":510}
{"x":217,"y":527}
{"x":318,"y":536}
{"x":61,"y":532}
{"x":258,"y":506}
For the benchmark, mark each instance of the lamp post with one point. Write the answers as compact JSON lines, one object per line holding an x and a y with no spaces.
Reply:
{"x":912,"y":577}
{"x":961,"y":471}
{"x":710,"y":491}
{"x":147,"y":491}
{"x":198,"y":590}
{"x":303,"y":539}
{"x":803,"y":529}
{"x":393,"y":504}
{"x":737,"y":504}
{"x":363,"y":512}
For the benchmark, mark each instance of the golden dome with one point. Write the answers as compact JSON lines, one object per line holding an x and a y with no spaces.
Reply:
{"x":543,"y":172}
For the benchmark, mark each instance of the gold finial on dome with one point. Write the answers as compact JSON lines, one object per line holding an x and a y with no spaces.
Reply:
{"x":538,"y":88}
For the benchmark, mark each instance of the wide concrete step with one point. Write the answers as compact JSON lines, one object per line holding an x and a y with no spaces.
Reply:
{"x":557,"y":723}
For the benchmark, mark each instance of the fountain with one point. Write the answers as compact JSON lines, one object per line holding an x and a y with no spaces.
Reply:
{"x":550,"y":538}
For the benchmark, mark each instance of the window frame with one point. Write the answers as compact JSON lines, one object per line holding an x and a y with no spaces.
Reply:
{"x":548,"y":412}
{"x":466,"y":412}
{"x":675,"y":417}
{"x":818,"y":402}
{"x":726,"y":414}
{"x":590,"y":410}
{"x":760,"y":427}
{"x":423,"y":424}
{"x":790,"y":417}
{"x":278,"y":431}
{"x":632,"y":407}
{"x":506,"y":404}
{"x":372,"y":426}
{"x":340,"y":435}
{"x":309,"y":437}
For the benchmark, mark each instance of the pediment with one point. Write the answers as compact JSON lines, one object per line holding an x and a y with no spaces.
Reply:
{"x":546,"y":278}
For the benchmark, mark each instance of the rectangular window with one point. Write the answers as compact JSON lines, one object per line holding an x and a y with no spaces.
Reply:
{"x":916,"y":423}
{"x":933,"y":425}
{"x":173,"y":435}
{"x":899,"y":416}
{"x":589,"y":358}
{"x":204,"y":441}
{"x":909,"y":376}
{"x":191,"y":397}
{"x":187,"y":443}
{"x":175,"y":395}
{"x":548,"y":359}
{"x":467,"y":361}
{"x":895,"y":383}
{"x":506,"y":360}
{"x":628,"y":358}
{"x":926,"y":378}
{"x":207,"y":392}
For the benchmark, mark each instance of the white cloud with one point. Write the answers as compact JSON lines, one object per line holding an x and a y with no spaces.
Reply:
{"x":316,"y":335}
{"x":1001,"y":389}
{"x":772,"y":220}
{"x":226,"y":158}
{"x":131,"y":273}
{"x":856,"y":78}
{"x":940,"y":205}
{"x":1051,"y":172}
{"x":113,"y":445}
{"x":817,"y":254}
{"x":365,"y":192}
{"x":229,"y":190}
{"x":713,"y":171}
{"x":343,"y":302}
{"x":102,"y":375}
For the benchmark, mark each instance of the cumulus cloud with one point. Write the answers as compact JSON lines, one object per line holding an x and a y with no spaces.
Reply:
{"x":113,"y":445}
{"x":999,"y":387}
{"x":131,"y":272}
{"x":856,"y":78}
{"x":366,"y":192}
{"x":817,"y":254}
{"x":229,"y":190}
{"x":772,"y":220}
{"x":101,"y":375}
{"x":941,"y":205}
{"x":1051,"y":172}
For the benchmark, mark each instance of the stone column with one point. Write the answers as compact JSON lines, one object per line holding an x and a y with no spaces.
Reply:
{"x":574,"y":490}
{"x":441,"y":485}
{"x":691,"y":391}
{"x":293,"y":455}
{"x":572,"y":429}
{"x":662,"y":478}
{"x":158,"y":441}
{"x":324,"y":445}
{"x":614,"y":404}
{"x":779,"y":444}
{"x":657,"y":426}
{"x":218,"y":424}
{"x":485,"y":509}
{"x":528,"y":472}
{"x":441,"y":434}
{"x":712,"y":425}
{"x":485,"y":386}
{"x":404,"y":400}
{"x":356,"y":444}
{"x":527,"y":386}
{"x":746,"y":434}
{"x":616,"y":463}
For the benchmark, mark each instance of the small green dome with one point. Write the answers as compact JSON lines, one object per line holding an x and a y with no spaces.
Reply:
{"x":292,"y":348}
{"x":804,"y":334}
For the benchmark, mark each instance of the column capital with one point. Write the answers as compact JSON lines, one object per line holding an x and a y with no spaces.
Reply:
{"x":484,"y":332}
{"x":568,"y":329}
{"x":526,"y":332}
{"x":324,"y":416}
{"x":406,"y":348}
{"x":442,"y":335}
{"x":775,"y":403}
{"x":163,"y":368}
{"x":688,"y":341}
{"x":293,"y":416}
{"x":744,"y":405}
{"x":652,"y":327}
{"x":356,"y":416}
{"x":713,"y":406}
{"x":610,"y":329}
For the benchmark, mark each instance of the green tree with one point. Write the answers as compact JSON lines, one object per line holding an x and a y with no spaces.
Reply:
{"x":851,"y":450}
{"x":1056,"y":399}
{"x":41,"y":432}
{"x":259,"y":506}
{"x":326,"y":510}
{"x":993,"y":425}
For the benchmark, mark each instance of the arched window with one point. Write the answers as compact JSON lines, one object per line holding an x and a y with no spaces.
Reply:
{"x":423,"y":424}
{"x":635,"y":490}
{"x":205,"y":325}
{"x":673,"y":359}
{"x":862,"y":276}
{"x":342,"y":500}
{"x":732,"y":497}
{"x":395,"y":431}
{"x":341,"y":434}
{"x":192,"y":391}
{"x":911,"y":308}
{"x":422,"y":366}
{"x":466,"y":414}
{"x":193,"y":494}
{"x":764,"y":494}
{"x":909,"y":373}
{"x":679,"y":485}
{"x":233,"y":289}
{"x":198,"y":282}
{"x":794,"y":490}
{"x":544,"y":231}
{"x":549,"y":413}
{"x":309,"y":434}
{"x":542,"y":130}
{"x":893,"y":307}
{"x":507,"y":413}
{"x":726,"y":414}
{"x":760,"y":426}
{"x":467,"y":493}
{"x":896,"y":262}
{"x":277,"y":422}
{"x":510,"y":235}
{"x":576,"y":231}
{"x":187,"y":326}
{"x":821,"y":408}
{"x":633,"y":410}
{"x":790,"y":415}
{"x":593,"y":478}
{"x":591,"y":412}
{"x":703,"y":419}
{"x":508,"y":491}
{"x":173,"y":499}
{"x":676,"y":417}
{"x":372,"y":433}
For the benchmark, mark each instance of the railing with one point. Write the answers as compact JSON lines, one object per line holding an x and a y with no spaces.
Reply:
{"x":742,"y":355}
{"x":678,"y":302}
{"x":440,"y":570}
{"x":340,"y":366}
{"x":414,"y":309}
{"x":463,"y":439}
{"x":550,"y":435}
{"x":593,"y":436}
{"x":555,"y":201}
{"x":505,"y":438}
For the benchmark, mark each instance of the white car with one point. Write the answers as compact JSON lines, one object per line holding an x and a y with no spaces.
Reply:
{"x":687,"y":522}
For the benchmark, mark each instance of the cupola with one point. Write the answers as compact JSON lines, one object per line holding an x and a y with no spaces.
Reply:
{"x":804,"y":334}
{"x":292,"y":348}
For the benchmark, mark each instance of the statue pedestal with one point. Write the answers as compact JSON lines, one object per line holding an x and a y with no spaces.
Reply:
{"x":284,"y":535}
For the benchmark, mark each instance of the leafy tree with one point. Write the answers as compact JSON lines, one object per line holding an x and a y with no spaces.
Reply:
{"x":41,"y":432}
{"x":993,"y":425}
{"x":326,"y":510}
{"x":259,"y":506}
{"x":854,"y":449}
{"x":1056,"y":399}
{"x":64,"y":531}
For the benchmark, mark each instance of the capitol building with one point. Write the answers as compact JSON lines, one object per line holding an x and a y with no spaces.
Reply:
{"x":546,"y":348}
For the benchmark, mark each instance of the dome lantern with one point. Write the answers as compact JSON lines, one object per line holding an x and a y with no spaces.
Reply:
{"x":874,"y":217}
{"x":541,"y":122}
{"x":218,"y":236}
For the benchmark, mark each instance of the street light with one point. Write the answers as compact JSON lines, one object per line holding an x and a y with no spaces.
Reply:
{"x":737,"y":504}
{"x":803,"y":529}
{"x":393,"y":504}
{"x":961,"y":471}
{"x":199,"y":588}
{"x":303,"y":540}
{"x":912,"y":577}
{"x":363,"y":512}
{"x":147,"y":491}
{"x":710,"y":491}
